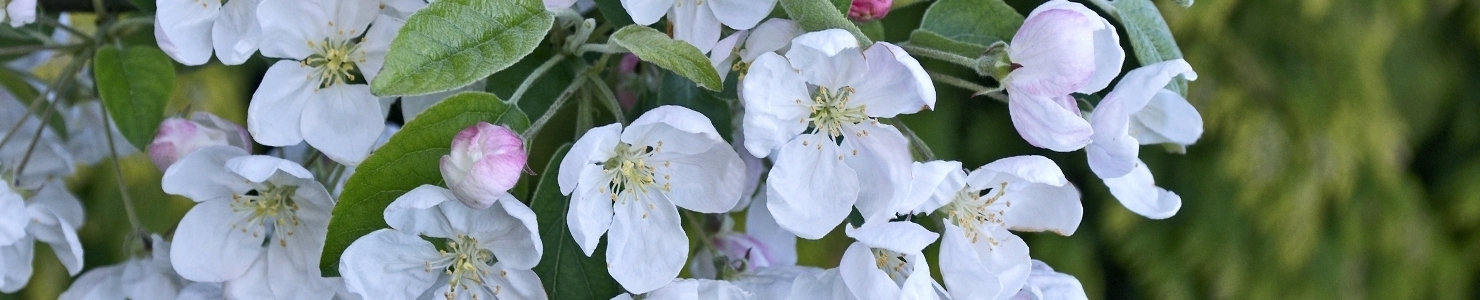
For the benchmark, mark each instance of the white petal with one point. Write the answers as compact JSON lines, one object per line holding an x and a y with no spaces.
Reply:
{"x":861,"y":274}
{"x":694,"y":24}
{"x":760,"y":224}
{"x":902,"y":237}
{"x":389,"y":264}
{"x":15,"y":265}
{"x":416,"y":212}
{"x":1044,"y":283}
{"x":515,"y":283}
{"x":708,"y":182}
{"x":352,"y":18}
{"x":933,"y":185}
{"x":1108,"y":56}
{"x":1138,"y":86}
{"x":773,"y":35}
{"x":1167,"y":119}
{"x":213,"y":243}
{"x":881,"y":157}
{"x":646,"y":247}
{"x":740,"y":14}
{"x":100,"y":283}
{"x":776,"y":104}
{"x":201,"y":291}
{"x":1045,"y":124}
{"x":594,"y":147}
{"x":810,"y":189}
{"x":1138,"y":192}
{"x":827,"y":285}
{"x":343,"y":122}
{"x":678,"y":117}
{"x":896,"y":84}
{"x":1008,"y":259}
{"x":508,"y":229}
{"x":919,"y":285}
{"x":698,"y":289}
{"x":963,"y":271}
{"x":277,"y":105}
{"x":376,"y":43}
{"x":202,"y":175}
{"x":289,"y":276}
{"x":289,"y":25}
{"x":259,"y":168}
{"x":187,"y":25}
{"x":590,"y":213}
{"x":722,"y":56}
{"x":13,"y":219}
{"x":236,"y":34}
{"x":1030,"y":168}
{"x":59,"y":234}
{"x":1056,"y":51}
{"x":1043,"y":207}
{"x":646,"y":12}
{"x":150,"y":279}
{"x":774,"y":282}
{"x":829,"y":58}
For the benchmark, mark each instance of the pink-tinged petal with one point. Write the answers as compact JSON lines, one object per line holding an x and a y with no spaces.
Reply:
{"x":896,"y":84}
{"x":966,"y":276}
{"x":811,"y":189}
{"x":1108,"y":57}
{"x":740,"y":14}
{"x":386,"y":256}
{"x":696,"y":25}
{"x":1045,"y":124}
{"x":1138,"y":192}
{"x":861,"y":274}
{"x":1055,"y":49}
{"x":273,"y":116}
{"x":343,"y":122}
{"x":1167,"y":119}
{"x":594,"y":147}
{"x":869,"y":10}
{"x":485,"y":162}
{"x":830,"y":58}
{"x":881,"y":156}
{"x":236,"y":34}
{"x":186,"y":27}
{"x":646,"y":247}
{"x":213,"y":243}
{"x":647,"y":12}
{"x":202,"y":175}
{"x":777,"y":104}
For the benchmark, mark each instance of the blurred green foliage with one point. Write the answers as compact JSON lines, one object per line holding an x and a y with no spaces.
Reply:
{"x":1339,"y":160}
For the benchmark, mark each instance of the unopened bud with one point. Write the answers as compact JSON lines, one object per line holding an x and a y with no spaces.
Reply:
{"x":484,"y":164}
{"x":869,"y":10}
{"x":178,"y":137}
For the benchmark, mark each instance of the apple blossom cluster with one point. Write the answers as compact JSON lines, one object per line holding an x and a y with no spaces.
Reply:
{"x":433,"y":196}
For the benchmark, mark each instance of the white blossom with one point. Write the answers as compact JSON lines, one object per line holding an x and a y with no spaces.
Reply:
{"x":694,"y":289}
{"x":698,"y":21}
{"x":178,"y":137}
{"x":19,"y":12}
{"x":51,"y":215}
{"x":814,"y":113}
{"x":258,"y":225}
{"x":148,"y":277}
{"x":1046,"y":284}
{"x":1062,"y":48}
{"x":188,"y":30}
{"x":888,"y":262}
{"x":1141,"y":111}
{"x":626,"y":183}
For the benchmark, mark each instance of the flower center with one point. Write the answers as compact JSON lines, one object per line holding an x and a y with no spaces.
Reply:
{"x":466,"y":263}
{"x":270,"y":206}
{"x":631,"y":173}
{"x":893,"y":264}
{"x":335,"y":61}
{"x":973,"y":212}
{"x":830,"y":111}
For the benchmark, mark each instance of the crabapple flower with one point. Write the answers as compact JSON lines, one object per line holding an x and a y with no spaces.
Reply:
{"x":86,"y":138}
{"x":773,"y":35}
{"x":149,"y":277}
{"x":19,"y":12}
{"x":698,"y":21}
{"x":178,"y":137}
{"x":1062,"y":48}
{"x":694,"y":289}
{"x":314,"y":95}
{"x":189,"y":29}
{"x":1045,"y":284}
{"x":763,"y":245}
{"x":887,"y":262}
{"x":484,"y":164}
{"x":814,"y":112}
{"x":488,"y":254}
{"x":626,"y":182}
{"x":259,"y":222}
{"x":51,"y":215}
{"x":869,"y":10}
{"x":979,"y":257}
{"x":1140,"y":108}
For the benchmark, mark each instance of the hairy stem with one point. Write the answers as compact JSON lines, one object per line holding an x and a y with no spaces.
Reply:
{"x":529,"y":81}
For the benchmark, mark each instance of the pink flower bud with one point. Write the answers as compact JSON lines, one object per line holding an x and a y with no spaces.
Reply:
{"x":869,"y":10}
{"x":627,"y":69}
{"x":740,"y":247}
{"x":178,"y":137}
{"x":484,"y":164}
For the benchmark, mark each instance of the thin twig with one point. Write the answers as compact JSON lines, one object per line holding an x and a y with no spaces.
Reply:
{"x":128,"y":201}
{"x":609,"y":98}
{"x":969,"y":62}
{"x":529,"y":81}
{"x":603,"y":48}
{"x":539,"y":124}
{"x":976,"y":89}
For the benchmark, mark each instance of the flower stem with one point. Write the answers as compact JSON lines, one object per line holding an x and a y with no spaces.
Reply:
{"x":529,"y":81}
{"x":128,"y":201}
{"x":940,"y":55}
{"x":539,"y":124}
{"x":976,"y":89}
{"x":603,"y":48}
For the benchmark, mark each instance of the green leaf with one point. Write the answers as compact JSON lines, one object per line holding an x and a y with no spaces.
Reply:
{"x":923,"y":38}
{"x":818,"y":15}
{"x":677,"y":56}
{"x":135,"y":84}
{"x":980,"y":22}
{"x":410,"y":159}
{"x":450,"y":44}
{"x":565,"y":270}
{"x":843,"y":6}
{"x":1150,"y":37}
